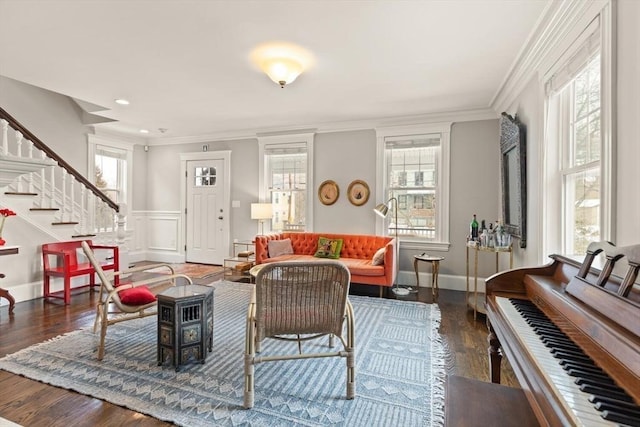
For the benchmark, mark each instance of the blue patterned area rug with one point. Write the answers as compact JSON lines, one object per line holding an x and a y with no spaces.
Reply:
{"x":400,"y":371}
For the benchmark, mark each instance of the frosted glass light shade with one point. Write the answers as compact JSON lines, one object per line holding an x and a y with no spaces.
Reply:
{"x":282,"y":62}
{"x":282,"y":70}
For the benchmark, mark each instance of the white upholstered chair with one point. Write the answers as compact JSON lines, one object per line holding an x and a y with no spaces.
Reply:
{"x":298,"y":301}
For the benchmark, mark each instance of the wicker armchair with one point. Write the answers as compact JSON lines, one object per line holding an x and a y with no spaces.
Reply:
{"x":111,"y":309}
{"x":297,"y":301}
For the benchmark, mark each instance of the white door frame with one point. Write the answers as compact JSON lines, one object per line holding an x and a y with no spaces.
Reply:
{"x":225,"y":156}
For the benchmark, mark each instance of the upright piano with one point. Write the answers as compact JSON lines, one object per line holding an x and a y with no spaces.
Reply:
{"x":571,"y":333}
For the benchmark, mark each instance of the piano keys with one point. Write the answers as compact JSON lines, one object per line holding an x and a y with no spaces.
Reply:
{"x":570,"y":332}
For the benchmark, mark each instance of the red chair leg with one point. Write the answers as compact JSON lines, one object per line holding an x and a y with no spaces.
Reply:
{"x":46,"y":289}
{"x":67,"y":290}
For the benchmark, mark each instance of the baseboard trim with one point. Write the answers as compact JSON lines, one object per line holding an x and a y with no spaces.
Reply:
{"x":445,"y":281}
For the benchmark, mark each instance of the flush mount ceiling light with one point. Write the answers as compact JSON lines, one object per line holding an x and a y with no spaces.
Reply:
{"x":282,"y":62}
{"x":122,"y":101}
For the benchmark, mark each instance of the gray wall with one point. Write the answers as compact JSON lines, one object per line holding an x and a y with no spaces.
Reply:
{"x":475,"y":181}
{"x":55,"y":119}
{"x":628,"y":110}
{"x":344,"y":157}
{"x":139,"y":187}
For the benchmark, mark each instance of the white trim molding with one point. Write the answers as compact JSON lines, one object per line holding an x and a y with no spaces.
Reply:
{"x":442,"y":242}
{"x":305,"y":139}
{"x":559,"y":25}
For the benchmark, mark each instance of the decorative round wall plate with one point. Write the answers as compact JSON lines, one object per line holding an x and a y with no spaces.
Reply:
{"x":358,"y":192}
{"x":328,"y":192}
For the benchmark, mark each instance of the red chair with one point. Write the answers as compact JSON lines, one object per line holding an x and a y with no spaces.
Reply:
{"x":60,"y":259}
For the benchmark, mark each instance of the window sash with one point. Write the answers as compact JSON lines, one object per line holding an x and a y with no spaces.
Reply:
{"x":574,"y":130}
{"x":286,"y":170}
{"x":409,"y":160}
{"x":115,"y":178}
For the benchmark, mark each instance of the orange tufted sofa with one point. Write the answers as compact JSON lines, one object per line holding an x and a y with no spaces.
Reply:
{"x":357,"y":252}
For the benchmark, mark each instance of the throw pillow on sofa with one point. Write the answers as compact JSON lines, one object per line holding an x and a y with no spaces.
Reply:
{"x":328,"y":248}
{"x":280,"y":247}
{"x":378,"y":257}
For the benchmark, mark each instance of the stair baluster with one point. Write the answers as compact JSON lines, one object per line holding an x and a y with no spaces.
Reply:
{"x":53,"y":191}
{"x":5,"y":137}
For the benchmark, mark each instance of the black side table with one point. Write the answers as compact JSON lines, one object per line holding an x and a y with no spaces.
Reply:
{"x":185,"y":325}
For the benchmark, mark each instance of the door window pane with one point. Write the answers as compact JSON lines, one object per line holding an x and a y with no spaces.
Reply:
{"x":204,"y":176}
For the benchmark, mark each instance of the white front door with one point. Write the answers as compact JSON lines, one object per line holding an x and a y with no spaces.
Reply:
{"x":207,"y":219}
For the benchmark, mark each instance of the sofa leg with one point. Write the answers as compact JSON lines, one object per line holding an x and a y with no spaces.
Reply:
{"x":381,"y":291}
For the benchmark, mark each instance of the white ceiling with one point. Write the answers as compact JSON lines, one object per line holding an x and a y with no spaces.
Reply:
{"x":184,"y":65}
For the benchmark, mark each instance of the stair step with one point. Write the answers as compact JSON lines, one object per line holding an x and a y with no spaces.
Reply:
{"x":44,"y":209}
{"x":17,"y":193}
{"x":65,"y":223}
{"x":75,"y":236}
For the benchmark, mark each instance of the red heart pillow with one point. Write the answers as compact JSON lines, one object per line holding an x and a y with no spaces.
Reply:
{"x":139,"y":295}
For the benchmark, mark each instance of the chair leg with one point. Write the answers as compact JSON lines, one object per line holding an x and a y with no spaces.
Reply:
{"x":103,"y":331}
{"x":67,"y":290}
{"x":98,"y":319}
{"x":249,"y":367}
{"x":351,"y":353}
{"x":46,"y":285}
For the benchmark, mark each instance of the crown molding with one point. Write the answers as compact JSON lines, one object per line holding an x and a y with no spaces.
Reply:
{"x":119,"y":136}
{"x":346,"y":126}
{"x":554,"y":28}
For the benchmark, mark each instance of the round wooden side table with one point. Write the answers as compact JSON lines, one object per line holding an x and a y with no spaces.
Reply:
{"x":435,"y":268}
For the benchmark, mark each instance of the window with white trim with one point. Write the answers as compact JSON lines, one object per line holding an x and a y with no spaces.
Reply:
{"x":577,"y":144}
{"x":414,"y":166}
{"x":110,"y":165}
{"x":286,"y":175}
{"x":111,"y":172}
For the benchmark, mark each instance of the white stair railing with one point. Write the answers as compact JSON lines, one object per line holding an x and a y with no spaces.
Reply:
{"x":26,"y":173}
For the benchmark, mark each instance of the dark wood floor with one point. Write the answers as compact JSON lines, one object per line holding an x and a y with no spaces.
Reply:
{"x":31,"y":403}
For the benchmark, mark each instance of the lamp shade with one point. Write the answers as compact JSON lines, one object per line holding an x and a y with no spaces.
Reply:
{"x":283,"y":62}
{"x":282,"y":70}
{"x":261,"y":211}
{"x":382,"y":210}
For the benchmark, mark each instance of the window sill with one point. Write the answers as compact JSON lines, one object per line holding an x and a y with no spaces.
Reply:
{"x":424,"y":245}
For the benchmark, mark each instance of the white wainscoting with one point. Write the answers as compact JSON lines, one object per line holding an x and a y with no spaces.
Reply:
{"x":156,"y":236}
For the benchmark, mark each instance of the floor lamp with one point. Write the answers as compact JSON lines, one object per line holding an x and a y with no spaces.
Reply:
{"x":383,"y":209}
{"x":261,"y":212}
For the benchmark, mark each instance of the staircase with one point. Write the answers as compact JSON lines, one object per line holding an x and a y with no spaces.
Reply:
{"x":50,"y":195}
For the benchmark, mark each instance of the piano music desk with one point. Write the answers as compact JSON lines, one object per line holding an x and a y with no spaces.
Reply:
{"x":472,"y":403}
